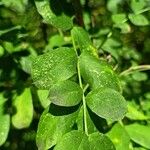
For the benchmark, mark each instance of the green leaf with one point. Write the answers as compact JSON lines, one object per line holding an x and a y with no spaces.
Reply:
{"x":4,"y":128}
{"x":119,"y":137}
{"x":98,"y":73}
{"x":82,"y":40}
{"x":53,"y":67}
{"x":43,"y":97}
{"x":90,"y":125}
{"x":107,"y":103}
{"x":66,"y":93}
{"x":74,"y":140}
{"x":52,"y":12}
{"x":18,"y":5}
{"x":51,"y":129}
{"x":2,"y":51}
{"x":124,"y":27}
{"x":4,"y":121}
{"x":139,"y":76}
{"x":139,"y":148}
{"x":119,"y":18}
{"x":137,"y":5}
{"x":81,"y":37}
{"x":24,"y":110}
{"x":135,"y":114}
{"x":26,"y":64}
{"x":100,"y":141}
{"x":55,"y":41}
{"x":139,"y":19}
{"x":139,"y":134}
{"x":112,"y":5}
{"x":111,"y":46}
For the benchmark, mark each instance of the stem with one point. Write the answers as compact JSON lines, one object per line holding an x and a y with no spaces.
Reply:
{"x":83,"y":89}
{"x":135,"y":68}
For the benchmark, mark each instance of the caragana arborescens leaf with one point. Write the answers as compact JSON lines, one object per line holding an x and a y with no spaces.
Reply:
{"x":100,"y":141}
{"x":66,"y":93}
{"x":74,"y":140}
{"x":82,"y":40}
{"x":98,"y":73}
{"x":80,"y":123}
{"x":140,"y":134}
{"x":107,"y":103}
{"x":24,"y":110}
{"x":81,"y":37}
{"x":52,"y":12}
{"x":51,"y":129}
{"x":119,"y":137}
{"x":53,"y":67}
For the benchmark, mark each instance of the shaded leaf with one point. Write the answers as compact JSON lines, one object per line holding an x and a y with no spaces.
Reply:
{"x":66,"y":93}
{"x":74,"y":140}
{"x":50,"y":68}
{"x":51,"y":129}
{"x":100,"y":141}
{"x":107,"y":103}
{"x":24,"y":110}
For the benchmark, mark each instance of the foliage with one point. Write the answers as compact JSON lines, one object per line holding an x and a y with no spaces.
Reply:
{"x":74,"y":74}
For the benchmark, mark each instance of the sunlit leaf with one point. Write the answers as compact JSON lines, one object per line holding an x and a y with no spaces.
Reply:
{"x":139,"y":20}
{"x":24,"y":110}
{"x":43,"y":97}
{"x":50,"y":68}
{"x":98,"y":73}
{"x":139,"y":134}
{"x":65,"y":93}
{"x":52,"y":12}
{"x":119,"y":137}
